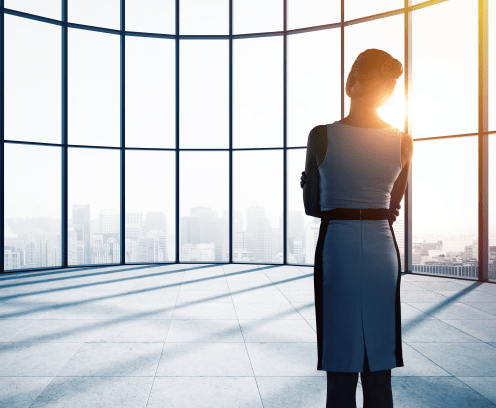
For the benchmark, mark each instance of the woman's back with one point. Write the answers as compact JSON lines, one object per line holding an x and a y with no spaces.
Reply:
{"x":360,"y":166}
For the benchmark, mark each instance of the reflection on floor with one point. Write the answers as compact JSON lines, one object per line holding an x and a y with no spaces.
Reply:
{"x":223,"y":336}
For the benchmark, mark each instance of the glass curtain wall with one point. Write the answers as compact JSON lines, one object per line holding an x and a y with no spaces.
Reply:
{"x":176,"y":131}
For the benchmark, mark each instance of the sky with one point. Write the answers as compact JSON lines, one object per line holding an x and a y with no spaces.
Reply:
{"x":443,"y":101}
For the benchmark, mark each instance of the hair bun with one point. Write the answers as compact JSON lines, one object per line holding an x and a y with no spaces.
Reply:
{"x":391,"y":68}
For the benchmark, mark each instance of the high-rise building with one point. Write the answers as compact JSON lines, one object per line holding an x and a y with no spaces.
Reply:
{"x":134,"y":217}
{"x":203,"y":226}
{"x":31,"y":261}
{"x":12,"y":257}
{"x":260,"y":237}
{"x":109,"y":221}
{"x":81,"y":216}
{"x":155,"y":221}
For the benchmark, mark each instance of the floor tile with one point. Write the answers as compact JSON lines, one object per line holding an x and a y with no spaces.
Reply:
{"x":293,"y":392}
{"x":99,"y":309}
{"x":435,"y":392}
{"x":204,"y":331}
{"x":199,"y":296}
{"x":142,"y":311}
{"x":259,"y":295}
{"x":90,"y":392}
{"x":484,"y":306}
{"x":452,"y":311}
{"x":461,"y":359}
{"x":25,"y":311}
{"x":284,"y":359}
{"x":484,"y":330}
{"x":35,"y":359}
{"x":10,"y":327}
{"x":250,"y":275}
{"x":441,"y":286}
{"x":75,"y":331}
{"x":433,"y":331}
{"x":205,"y":284}
{"x":306,"y":310}
{"x":245,"y":286}
{"x":204,"y":360}
{"x":20,"y":392}
{"x":113,"y":360}
{"x":486,"y":386}
{"x":417,"y":365}
{"x":299,"y":296}
{"x":422,"y":296}
{"x":470,"y":296}
{"x":205,"y":310}
{"x":296,"y":284}
{"x":151,"y":295}
{"x":408,"y":311}
{"x":205,"y":392}
{"x":277,"y":331}
{"x":267,"y":310}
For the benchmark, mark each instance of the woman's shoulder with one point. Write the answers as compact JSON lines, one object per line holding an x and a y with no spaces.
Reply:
{"x":318,"y":136}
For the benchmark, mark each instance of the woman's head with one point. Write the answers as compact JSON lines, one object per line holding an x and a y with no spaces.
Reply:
{"x":373,"y":76}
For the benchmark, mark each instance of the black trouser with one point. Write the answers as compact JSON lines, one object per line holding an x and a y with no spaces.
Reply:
{"x":377,"y":392}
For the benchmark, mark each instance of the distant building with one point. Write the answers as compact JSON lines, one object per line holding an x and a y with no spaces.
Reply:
{"x":81,"y":216}
{"x":109,"y":221}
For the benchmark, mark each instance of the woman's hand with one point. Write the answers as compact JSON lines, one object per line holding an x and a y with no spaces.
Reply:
{"x":303,"y":179}
{"x":395,"y":213}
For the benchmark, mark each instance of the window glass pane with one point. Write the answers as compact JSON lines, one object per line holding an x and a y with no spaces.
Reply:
{"x":32,"y":229}
{"x":98,"y":13}
{"x":94,"y":88}
{"x":44,"y":8}
{"x":256,"y":16}
{"x":204,"y":211}
{"x":204,"y":94}
{"x":202,"y":17}
{"x":445,"y":69}
{"x":445,"y":206}
{"x":386,"y":34}
{"x":308,"y":13}
{"x":150,"y":206}
{"x":150,"y":92}
{"x":94,"y":206}
{"x":363,"y":8}
{"x":258,"y":92}
{"x":303,"y":230}
{"x":314,"y":82}
{"x":151,"y":16}
{"x":492,"y":207}
{"x":258,"y":206}
{"x":492,"y":65}
{"x":32,"y":80}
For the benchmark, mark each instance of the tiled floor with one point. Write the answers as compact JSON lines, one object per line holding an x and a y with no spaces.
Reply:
{"x":223,"y":336}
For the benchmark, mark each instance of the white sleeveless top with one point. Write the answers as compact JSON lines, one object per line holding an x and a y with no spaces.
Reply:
{"x":360,"y":167}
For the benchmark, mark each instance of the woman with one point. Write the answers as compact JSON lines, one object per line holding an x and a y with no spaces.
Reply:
{"x":355,"y":177}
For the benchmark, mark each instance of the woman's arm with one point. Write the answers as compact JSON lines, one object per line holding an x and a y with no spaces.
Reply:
{"x":311,"y":188}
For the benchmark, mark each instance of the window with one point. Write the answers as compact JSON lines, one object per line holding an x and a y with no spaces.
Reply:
{"x":32,"y":223}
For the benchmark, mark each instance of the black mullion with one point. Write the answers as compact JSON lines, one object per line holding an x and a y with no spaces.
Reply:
{"x":285,"y":152}
{"x":2,"y":136}
{"x":65,"y":167}
{"x":122,"y":231}
{"x":231,"y":235}
{"x":177,"y":133}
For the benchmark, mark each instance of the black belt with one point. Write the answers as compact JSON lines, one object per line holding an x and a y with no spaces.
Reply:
{"x":356,"y":214}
